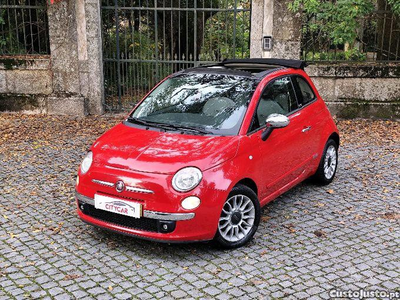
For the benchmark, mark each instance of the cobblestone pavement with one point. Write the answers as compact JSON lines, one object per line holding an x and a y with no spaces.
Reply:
{"x":310,"y":241}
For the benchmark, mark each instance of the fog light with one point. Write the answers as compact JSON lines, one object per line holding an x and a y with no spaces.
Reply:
{"x":191,"y":202}
{"x":77,"y":180}
{"x":166,"y":226}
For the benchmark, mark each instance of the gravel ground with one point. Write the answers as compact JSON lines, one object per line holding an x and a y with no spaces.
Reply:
{"x":311,"y":241}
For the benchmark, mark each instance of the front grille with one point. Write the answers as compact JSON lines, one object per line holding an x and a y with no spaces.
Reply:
{"x":120,"y":196}
{"x":145,"y":224}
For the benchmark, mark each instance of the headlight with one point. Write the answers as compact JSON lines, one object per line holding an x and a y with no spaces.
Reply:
{"x":191,"y":202}
{"x":87,"y":162}
{"x":186,"y":179}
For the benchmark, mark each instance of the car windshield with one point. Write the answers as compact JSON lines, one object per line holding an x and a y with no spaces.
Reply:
{"x":208,"y":103}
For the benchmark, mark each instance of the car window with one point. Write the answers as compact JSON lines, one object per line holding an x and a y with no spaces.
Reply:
{"x":213,"y":102}
{"x":307,"y":94}
{"x":278,"y":97}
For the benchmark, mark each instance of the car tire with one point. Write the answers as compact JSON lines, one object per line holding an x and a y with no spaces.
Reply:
{"x":240,"y":217}
{"x":328,"y":165}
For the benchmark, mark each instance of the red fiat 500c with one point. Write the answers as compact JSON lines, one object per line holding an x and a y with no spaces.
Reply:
{"x":199,"y":156}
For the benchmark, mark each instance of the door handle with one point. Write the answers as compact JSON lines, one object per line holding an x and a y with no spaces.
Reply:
{"x":306,"y":129}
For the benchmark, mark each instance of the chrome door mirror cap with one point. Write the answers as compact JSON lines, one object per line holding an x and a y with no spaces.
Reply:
{"x":277,"y":121}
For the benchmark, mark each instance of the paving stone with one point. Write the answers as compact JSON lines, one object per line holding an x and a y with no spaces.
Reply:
{"x":178,"y":294}
{"x":47,"y":252}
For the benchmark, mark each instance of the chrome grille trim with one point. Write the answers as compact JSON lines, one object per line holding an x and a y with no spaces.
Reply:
{"x":138,"y":190}
{"x":84,"y":199}
{"x":127,"y":188}
{"x":105,"y":183}
{"x":146,"y":213}
{"x":167,"y":216}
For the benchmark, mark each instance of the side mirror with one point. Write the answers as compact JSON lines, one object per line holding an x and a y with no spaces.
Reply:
{"x":274,"y":121}
{"x":277,"y":121}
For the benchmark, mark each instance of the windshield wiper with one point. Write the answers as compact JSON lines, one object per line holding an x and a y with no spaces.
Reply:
{"x":168,"y":126}
{"x":146,"y":123}
{"x":187,"y":128}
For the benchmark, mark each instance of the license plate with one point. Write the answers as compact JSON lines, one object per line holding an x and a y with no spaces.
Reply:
{"x":118,"y":206}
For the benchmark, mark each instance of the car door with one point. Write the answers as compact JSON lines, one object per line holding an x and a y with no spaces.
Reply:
{"x":283,"y":152}
{"x":310,"y":114}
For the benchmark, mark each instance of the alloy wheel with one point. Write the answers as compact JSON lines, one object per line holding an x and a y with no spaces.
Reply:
{"x":237,"y":218}
{"x":330,"y":162}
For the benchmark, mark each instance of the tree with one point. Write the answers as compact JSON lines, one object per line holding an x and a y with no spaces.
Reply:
{"x":341,"y":24}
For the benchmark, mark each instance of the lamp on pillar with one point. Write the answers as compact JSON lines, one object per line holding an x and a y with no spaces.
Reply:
{"x":267,"y":43}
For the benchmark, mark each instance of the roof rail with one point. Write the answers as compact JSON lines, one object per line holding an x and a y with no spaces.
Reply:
{"x":289,"y":63}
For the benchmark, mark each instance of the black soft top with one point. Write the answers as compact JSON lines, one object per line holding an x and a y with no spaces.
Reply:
{"x":288,"y":63}
{"x":255,"y":68}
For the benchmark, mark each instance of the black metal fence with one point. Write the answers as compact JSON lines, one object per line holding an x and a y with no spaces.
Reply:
{"x":23,"y":27}
{"x":145,"y":40}
{"x":378,"y":39}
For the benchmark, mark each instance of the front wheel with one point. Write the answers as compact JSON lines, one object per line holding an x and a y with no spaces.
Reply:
{"x":328,"y":164}
{"x":239,"y":218}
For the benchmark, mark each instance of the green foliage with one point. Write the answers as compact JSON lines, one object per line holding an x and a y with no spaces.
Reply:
{"x":339,"y":20}
{"x":350,"y":55}
{"x":395,"y":5}
{"x":23,"y":30}
{"x":220,"y":38}
{"x":346,"y":29}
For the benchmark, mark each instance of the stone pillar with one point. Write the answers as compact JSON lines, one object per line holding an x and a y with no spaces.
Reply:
{"x":256,"y":30}
{"x":66,"y":97}
{"x":92,"y":76}
{"x":76,"y":56}
{"x":273,"y":18}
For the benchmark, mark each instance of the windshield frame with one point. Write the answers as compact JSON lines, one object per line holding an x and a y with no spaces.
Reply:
{"x":234,"y":131}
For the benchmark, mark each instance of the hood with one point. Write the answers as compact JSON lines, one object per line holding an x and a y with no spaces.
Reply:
{"x":137,"y":149}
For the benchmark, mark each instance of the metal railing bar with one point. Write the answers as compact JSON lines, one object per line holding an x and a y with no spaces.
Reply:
{"x":234,"y":29}
{"x":159,"y":61}
{"x":179,"y":9}
{"x":170,"y":40}
{"x":2,"y":6}
{"x":118,"y":53}
{"x":195,"y":32}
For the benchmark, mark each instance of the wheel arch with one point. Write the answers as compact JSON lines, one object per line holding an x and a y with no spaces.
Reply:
{"x":250,"y":183}
{"x":335,"y":136}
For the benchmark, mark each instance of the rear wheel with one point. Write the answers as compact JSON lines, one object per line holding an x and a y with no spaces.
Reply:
{"x":328,"y":164}
{"x":239,"y":218}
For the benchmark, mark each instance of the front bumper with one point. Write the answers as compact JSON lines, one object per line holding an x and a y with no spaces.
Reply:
{"x":160,"y":204}
{"x":146,"y":213}
{"x":153,"y":225}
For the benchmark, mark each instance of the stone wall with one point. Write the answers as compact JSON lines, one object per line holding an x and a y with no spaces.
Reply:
{"x":25,"y":83}
{"x":70,"y":79}
{"x":359,"y":90}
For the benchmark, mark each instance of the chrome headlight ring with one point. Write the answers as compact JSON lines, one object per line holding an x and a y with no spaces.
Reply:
{"x":186,"y":179}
